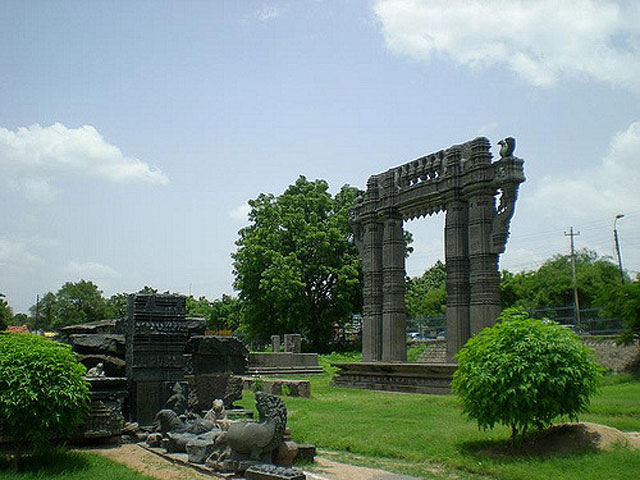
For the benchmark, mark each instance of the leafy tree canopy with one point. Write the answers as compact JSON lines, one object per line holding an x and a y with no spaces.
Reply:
{"x":624,"y":303}
{"x":79,"y":302}
{"x":42,"y":392}
{"x":524,"y":373}
{"x":426,"y":295}
{"x":552,"y":286}
{"x":200,"y":307}
{"x":296,"y":266}
{"x":226,"y":313}
{"x":6,"y":313}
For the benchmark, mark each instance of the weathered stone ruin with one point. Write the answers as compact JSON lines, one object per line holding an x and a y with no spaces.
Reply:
{"x":218,"y":444}
{"x":478,"y":197}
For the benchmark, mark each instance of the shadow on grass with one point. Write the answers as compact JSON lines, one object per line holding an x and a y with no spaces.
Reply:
{"x":45,"y":465}
{"x":531,"y":448}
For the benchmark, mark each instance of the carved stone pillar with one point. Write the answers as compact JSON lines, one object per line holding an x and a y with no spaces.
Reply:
{"x":394,"y":346}
{"x":371,"y":257}
{"x":483,"y":262}
{"x":456,"y":251}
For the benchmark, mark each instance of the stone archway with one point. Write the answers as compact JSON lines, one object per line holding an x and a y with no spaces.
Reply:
{"x":478,"y":197}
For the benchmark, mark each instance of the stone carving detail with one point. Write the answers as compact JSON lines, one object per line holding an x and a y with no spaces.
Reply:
{"x":177,"y":402}
{"x":156,"y":334}
{"x":226,"y":446}
{"x":463,"y":182}
{"x":97,"y":371}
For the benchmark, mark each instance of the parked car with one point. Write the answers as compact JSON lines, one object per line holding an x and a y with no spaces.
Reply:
{"x":576,"y":329}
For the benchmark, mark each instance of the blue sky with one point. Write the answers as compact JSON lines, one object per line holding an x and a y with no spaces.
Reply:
{"x":133,"y":133}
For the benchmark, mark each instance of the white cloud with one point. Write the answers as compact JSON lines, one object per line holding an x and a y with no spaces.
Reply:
{"x":90,"y":271}
{"x":17,"y":254}
{"x":604,"y":190}
{"x":240,"y":212}
{"x":542,"y":40}
{"x":32,"y":157}
{"x":267,"y":13}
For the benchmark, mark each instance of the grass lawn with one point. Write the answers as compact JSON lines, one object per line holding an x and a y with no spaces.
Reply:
{"x":426,"y":435}
{"x":68,"y":465}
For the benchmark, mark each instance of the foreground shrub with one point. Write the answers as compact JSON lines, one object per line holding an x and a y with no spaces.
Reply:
{"x":42,"y":392}
{"x":524,"y":373}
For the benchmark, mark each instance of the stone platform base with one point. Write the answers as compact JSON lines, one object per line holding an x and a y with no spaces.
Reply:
{"x":433,"y":378}
{"x":283,"y":363}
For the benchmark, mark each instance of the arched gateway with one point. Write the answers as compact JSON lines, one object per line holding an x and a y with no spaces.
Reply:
{"x":478,"y":198}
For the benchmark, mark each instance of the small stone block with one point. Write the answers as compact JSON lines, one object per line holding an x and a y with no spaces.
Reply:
{"x":273,"y":472}
{"x":286,"y":453}
{"x":306,"y":451}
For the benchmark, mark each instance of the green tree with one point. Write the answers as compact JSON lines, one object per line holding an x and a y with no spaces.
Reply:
{"x":117,"y":305}
{"x":624,"y":303}
{"x":198,"y":308}
{"x":524,"y":373}
{"x":552,"y":285}
{"x":6,"y":313}
{"x":426,"y":295}
{"x":79,"y":302}
{"x":296,"y":266}
{"x":20,"y":319}
{"x":42,"y":392}
{"x":46,"y":316}
{"x":226,"y":313}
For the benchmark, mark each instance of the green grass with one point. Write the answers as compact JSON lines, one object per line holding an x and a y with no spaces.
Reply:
{"x":66,"y":465}
{"x":426,"y":435}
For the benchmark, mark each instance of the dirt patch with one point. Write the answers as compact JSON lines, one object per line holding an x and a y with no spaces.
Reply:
{"x":330,"y":470}
{"x":150,"y":464}
{"x":568,"y":438}
{"x":147,"y":463}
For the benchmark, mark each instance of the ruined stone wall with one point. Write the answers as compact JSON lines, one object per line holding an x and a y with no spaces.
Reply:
{"x":614,"y":357}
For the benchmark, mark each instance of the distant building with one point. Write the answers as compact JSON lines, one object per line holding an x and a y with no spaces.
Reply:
{"x":17,"y":329}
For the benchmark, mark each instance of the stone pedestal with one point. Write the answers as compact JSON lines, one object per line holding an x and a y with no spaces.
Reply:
{"x":105,"y":417}
{"x":434,"y":378}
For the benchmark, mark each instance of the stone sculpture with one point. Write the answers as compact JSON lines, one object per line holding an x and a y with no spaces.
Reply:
{"x":97,"y":371}
{"x":464,"y":183}
{"x":177,"y":402}
{"x":257,"y":439}
{"x":217,"y":415}
{"x":224,"y":445}
{"x":168,"y":421}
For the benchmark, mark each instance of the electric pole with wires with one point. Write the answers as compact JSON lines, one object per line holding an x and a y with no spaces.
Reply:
{"x":576,"y":303}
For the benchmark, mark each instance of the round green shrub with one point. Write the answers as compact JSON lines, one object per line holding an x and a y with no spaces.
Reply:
{"x":524,"y":373}
{"x":43,"y":394}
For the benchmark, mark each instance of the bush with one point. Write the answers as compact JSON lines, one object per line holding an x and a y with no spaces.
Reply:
{"x":524,"y":373}
{"x":42,"y":392}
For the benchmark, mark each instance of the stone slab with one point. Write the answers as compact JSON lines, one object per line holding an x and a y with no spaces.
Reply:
{"x":429,"y":378}
{"x":273,"y":472}
{"x":287,"y":387}
{"x":283,"y":359}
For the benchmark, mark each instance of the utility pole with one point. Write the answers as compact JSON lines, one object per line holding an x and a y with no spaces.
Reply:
{"x":37,"y":308}
{"x":615,"y":237}
{"x":576,"y":303}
